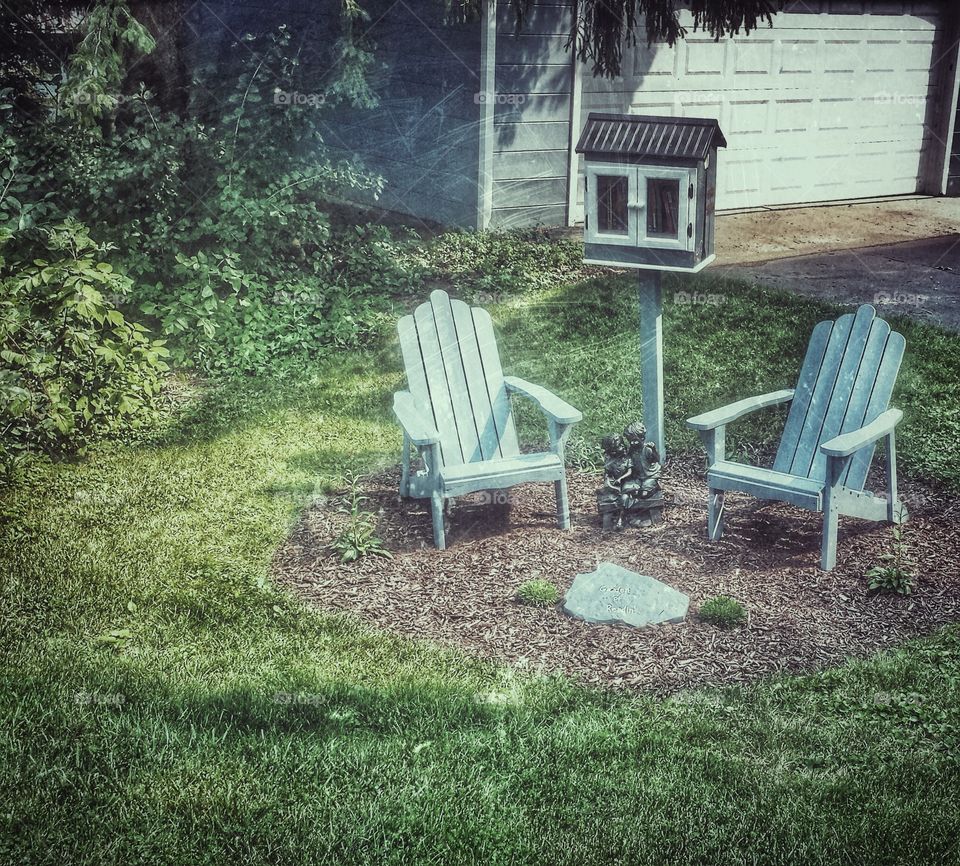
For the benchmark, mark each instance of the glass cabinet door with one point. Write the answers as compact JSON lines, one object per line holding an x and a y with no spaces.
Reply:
{"x":611,"y":206}
{"x":668,"y":204}
{"x":663,"y":207}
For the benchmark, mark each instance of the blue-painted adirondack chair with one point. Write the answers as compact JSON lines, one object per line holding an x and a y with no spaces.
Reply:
{"x":839,"y":412}
{"x":457,"y":412}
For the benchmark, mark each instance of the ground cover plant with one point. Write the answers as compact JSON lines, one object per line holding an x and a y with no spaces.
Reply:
{"x":722,"y":611}
{"x":538,"y":592}
{"x":228,"y":720}
{"x":73,"y":366}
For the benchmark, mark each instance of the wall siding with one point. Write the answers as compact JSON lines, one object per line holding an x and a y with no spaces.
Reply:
{"x":531,"y":116}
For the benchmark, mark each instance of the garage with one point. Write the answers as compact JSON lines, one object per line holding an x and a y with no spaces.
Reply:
{"x":825,"y":105}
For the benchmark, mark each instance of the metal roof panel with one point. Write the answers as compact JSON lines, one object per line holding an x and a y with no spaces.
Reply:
{"x":639,"y":135}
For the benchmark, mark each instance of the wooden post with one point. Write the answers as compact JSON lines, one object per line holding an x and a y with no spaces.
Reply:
{"x":651,"y":356}
{"x":943,"y":109}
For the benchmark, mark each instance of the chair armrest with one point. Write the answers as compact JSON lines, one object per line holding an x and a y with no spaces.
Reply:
{"x":551,"y":405}
{"x":727,"y":414}
{"x":847,"y":443}
{"x":415,"y":424}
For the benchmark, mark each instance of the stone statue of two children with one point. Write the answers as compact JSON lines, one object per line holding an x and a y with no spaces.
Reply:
{"x":631,"y":480}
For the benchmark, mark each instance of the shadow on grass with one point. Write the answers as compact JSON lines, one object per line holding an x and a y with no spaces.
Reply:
{"x":350,"y":384}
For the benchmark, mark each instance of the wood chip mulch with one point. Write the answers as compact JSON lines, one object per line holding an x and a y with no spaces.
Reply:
{"x":799,"y":618}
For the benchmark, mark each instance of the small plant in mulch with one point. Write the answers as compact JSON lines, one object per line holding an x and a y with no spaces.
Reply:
{"x":539,"y":593}
{"x":722,"y":611}
{"x":896,"y":570}
{"x":359,"y":538}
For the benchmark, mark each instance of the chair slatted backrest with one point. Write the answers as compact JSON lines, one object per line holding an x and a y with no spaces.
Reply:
{"x":454,"y":374}
{"x":846,"y":381}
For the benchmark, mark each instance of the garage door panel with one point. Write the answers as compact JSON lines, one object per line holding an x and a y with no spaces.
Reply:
{"x":807,"y":15}
{"x":799,"y":56}
{"x":752,"y":56}
{"x":748,"y":118}
{"x":884,"y":55}
{"x":704,"y":57}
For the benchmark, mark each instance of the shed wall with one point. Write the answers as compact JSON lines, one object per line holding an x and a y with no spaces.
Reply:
{"x":423,"y":136}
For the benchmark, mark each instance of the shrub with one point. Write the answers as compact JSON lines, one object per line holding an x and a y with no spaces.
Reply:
{"x":491,"y":266}
{"x":227,"y":316}
{"x":71,"y":366}
{"x":722,"y":611}
{"x":540,"y":593}
{"x":896,"y":574}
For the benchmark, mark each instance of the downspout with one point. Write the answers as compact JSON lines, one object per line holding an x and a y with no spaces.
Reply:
{"x":573,"y":127}
{"x":486,"y":101}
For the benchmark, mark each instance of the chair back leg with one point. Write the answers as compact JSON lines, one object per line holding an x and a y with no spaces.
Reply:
{"x":563,"y":506}
{"x":715,"y":505}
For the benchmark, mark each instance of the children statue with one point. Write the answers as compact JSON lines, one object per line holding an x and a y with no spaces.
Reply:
{"x":645,"y":462}
{"x":617,"y":468}
{"x":631,"y":478}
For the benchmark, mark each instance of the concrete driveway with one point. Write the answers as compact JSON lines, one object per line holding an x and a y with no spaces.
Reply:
{"x":901,"y":255}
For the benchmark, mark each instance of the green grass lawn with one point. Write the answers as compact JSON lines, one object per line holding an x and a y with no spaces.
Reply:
{"x":179,"y":742}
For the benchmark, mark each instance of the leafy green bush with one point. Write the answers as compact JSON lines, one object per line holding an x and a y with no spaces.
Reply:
{"x":223,"y":203}
{"x":71,"y":366}
{"x":896,"y":574}
{"x":538,"y":592}
{"x":722,"y":611}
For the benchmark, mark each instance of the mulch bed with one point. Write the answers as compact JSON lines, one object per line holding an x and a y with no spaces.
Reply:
{"x":799,"y":618}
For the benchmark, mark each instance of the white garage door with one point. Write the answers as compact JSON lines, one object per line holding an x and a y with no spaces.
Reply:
{"x":826,"y":105}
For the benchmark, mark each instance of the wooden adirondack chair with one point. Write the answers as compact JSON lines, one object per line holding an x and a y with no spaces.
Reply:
{"x":457,"y":412}
{"x":839,"y":411}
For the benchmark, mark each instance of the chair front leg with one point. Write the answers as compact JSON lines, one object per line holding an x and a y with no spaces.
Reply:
{"x":715,"y":442}
{"x":831,"y":511}
{"x":439,"y":530}
{"x":405,"y":473}
{"x":436,"y":497}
